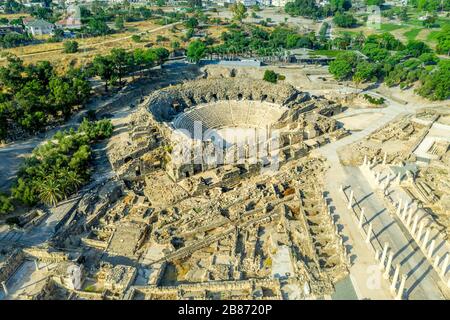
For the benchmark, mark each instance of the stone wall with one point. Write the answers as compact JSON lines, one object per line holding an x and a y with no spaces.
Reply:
{"x":11,"y":264}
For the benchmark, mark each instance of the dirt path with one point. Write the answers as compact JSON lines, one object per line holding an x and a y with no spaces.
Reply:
{"x":13,"y":154}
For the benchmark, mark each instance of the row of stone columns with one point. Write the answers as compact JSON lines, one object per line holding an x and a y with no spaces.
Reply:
{"x":410,"y":219}
{"x":387,"y":257}
{"x":397,"y":292}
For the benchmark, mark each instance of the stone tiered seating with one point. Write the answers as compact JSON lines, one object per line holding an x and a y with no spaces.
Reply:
{"x":223,"y":114}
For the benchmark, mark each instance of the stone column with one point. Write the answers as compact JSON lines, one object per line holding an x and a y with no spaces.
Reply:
{"x":36,"y":264}
{"x":385,"y":158}
{"x":377,"y":255}
{"x":431,"y":249}
{"x":425,"y":240}
{"x":419,"y":233}
{"x":383,"y":256}
{"x":350,"y":200}
{"x":5,"y":288}
{"x":388,"y":265}
{"x":369,"y":233}
{"x":399,"y":178}
{"x":399,"y":208}
{"x":361,"y":218}
{"x":444,"y":266}
{"x":377,"y":178}
{"x":408,"y":221}
{"x":414,"y":226}
{"x":405,"y":211}
{"x":395,"y":278}
{"x":401,"y":288}
{"x":436,"y":261}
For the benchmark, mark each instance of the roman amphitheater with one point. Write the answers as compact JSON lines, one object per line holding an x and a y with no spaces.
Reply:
{"x":231,"y":187}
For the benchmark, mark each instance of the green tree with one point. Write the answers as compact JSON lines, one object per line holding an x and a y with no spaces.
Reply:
{"x":5,"y":204}
{"x":305,"y":8}
{"x":270,"y":76}
{"x":104,"y":68}
{"x":374,"y":2}
{"x":343,"y":66}
{"x":443,"y":40}
{"x":345,"y":20}
{"x":136,"y":38}
{"x":121,"y":61}
{"x":239,"y":11}
{"x":191,"y":23}
{"x":50,"y":191}
{"x":196,"y":51}
{"x":119,"y":23}
{"x":365,"y":71}
{"x":436,"y":84}
{"x":70,"y":46}
{"x":97,"y":27}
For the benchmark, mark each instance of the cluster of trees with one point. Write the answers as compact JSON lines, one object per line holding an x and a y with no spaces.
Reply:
{"x":430,"y":5}
{"x":345,"y":20}
{"x":196,"y":50}
{"x":310,"y":8}
{"x":394,"y":63}
{"x":59,"y":167}
{"x":443,"y":39}
{"x":120,"y":63}
{"x":14,"y":39}
{"x":5,"y":204}
{"x":254,"y":40}
{"x":34,"y":94}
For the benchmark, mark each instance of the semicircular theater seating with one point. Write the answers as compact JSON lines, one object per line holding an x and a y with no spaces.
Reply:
{"x":229,"y":113}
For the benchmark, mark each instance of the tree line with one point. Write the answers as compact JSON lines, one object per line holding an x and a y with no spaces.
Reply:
{"x":57,"y":168}
{"x":35,"y":95}
{"x":394,"y":63}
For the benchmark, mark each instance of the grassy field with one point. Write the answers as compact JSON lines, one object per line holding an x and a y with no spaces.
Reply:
{"x":388,"y":27}
{"x":432,"y":36}
{"x":11,"y":16}
{"x":412,"y":33}
{"x":326,"y":53}
{"x":90,"y":47}
{"x":148,"y":30}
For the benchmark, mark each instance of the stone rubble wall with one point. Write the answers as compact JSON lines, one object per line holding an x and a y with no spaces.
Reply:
{"x":11,"y":264}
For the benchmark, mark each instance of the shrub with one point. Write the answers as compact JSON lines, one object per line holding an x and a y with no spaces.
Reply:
{"x":270,"y":76}
{"x":70,"y":46}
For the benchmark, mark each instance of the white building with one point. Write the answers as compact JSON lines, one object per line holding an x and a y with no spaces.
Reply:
{"x":39,"y":27}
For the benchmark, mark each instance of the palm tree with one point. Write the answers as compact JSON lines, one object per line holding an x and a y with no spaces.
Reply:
{"x":50,"y":191}
{"x":74,"y":180}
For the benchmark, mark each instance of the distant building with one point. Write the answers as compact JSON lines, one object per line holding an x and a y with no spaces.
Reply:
{"x":72,"y":20}
{"x":4,"y":29}
{"x":247,"y":3}
{"x":69,"y":23}
{"x":30,"y":3}
{"x":39,"y":27}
